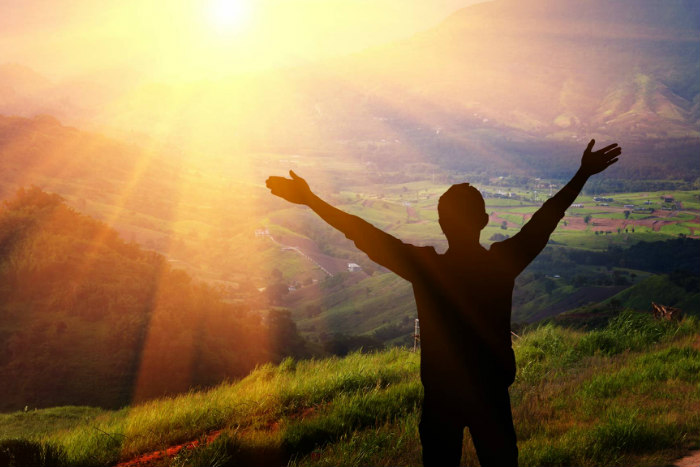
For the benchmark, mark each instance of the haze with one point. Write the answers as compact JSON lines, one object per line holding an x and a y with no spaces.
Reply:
{"x":185,"y":40}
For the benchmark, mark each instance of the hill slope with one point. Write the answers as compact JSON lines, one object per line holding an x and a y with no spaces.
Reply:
{"x":621,"y":395}
{"x":90,"y":319}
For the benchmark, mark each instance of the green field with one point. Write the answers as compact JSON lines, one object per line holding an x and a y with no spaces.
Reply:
{"x":363,"y":308}
{"x":623,"y":395}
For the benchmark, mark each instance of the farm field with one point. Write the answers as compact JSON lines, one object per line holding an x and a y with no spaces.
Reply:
{"x":206,"y":222}
{"x":409,"y":212}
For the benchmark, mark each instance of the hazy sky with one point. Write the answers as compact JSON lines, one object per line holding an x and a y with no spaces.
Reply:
{"x":188,"y":39}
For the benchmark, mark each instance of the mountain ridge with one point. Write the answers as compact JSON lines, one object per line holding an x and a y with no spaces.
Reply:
{"x":548,"y":69}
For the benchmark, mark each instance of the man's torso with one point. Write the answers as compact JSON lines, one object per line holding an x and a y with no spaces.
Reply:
{"x":464,"y":305}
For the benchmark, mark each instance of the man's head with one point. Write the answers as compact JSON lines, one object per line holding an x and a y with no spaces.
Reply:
{"x":462,"y":213}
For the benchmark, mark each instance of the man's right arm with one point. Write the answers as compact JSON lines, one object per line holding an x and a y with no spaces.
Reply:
{"x":381,"y":247}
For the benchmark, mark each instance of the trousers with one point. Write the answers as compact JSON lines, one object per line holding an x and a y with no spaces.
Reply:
{"x":490,"y":424}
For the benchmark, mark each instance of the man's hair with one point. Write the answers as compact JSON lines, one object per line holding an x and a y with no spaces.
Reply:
{"x":461,"y":200}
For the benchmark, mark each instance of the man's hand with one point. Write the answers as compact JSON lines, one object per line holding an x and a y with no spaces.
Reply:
{"x":295,"y":190}
{"x":594,"y":162}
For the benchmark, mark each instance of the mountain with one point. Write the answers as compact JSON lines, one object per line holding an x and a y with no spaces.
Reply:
{"x":538,"y":70}
{"x":481,"y":91}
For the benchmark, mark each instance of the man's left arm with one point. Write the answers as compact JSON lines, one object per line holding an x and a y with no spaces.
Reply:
{"x":533,"y":237}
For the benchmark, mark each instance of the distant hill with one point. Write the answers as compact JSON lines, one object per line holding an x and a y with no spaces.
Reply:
{"x":481,"y":91}
{"x":88,"y":319}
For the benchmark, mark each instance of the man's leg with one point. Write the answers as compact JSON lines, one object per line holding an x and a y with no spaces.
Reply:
{"x":440,"y":437}
{"x":493,"y":433}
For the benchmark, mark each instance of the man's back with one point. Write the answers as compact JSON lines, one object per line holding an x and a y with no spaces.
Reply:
{"x":464,"y":307}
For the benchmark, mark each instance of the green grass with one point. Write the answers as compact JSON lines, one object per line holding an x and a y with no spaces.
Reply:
{"x":622,"y":395}
{"x":675,"y":229}
{"x":36,"y":423}
{"x":362,"y":307}
{"x":660,"y":289}
{"x":514,"y":218}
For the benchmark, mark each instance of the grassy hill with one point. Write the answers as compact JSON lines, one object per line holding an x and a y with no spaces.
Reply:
{"x":622,"y":395}
{"x":670,"y":290}
{"x":88,"y":318}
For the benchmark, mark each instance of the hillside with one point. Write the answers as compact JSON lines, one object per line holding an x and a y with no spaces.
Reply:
{"x":197,"y":214}
{"x":203,"y":215}
{"x":382,"y":305}
{"x":623,"y":395}
{"x":90,"y":319}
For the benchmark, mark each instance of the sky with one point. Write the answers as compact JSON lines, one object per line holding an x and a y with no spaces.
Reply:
{"x":182,"y":40}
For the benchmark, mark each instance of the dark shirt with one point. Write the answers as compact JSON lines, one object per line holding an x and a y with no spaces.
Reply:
{"x":464,"y":301}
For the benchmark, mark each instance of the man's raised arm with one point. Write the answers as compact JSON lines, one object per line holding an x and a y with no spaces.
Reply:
{"x":381,"y":247}
{"x":533,"y":237}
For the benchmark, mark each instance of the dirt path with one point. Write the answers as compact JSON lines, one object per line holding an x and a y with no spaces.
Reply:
{"x":153,"y":458}
{"x":691,"y":460}
{"x":255,"y":457}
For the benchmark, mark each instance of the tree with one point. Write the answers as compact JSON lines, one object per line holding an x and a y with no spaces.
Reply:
{"x":341,"y":344}
{"x":276,"y":292}
{"x":284,"y":337}
{"x":276,"y":275}
{"x":549,"y":285}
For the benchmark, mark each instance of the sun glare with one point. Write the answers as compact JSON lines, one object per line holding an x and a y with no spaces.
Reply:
{"x":229,"y":15}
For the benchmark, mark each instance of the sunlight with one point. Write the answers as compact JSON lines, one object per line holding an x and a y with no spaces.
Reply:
{"x":228,"y":15}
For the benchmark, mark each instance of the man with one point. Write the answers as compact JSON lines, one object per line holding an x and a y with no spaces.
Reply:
{"x":463,"y":298}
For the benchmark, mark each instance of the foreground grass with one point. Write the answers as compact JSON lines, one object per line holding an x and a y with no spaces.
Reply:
{"x":624,"y":395}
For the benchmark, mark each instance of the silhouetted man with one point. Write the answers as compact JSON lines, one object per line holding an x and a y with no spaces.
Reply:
{"x":464,"y":303}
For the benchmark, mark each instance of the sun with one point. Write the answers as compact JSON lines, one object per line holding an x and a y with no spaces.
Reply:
{"x":228,"y":15}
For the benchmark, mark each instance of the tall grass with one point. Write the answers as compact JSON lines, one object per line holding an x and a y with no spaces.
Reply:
{"x":626,"y":394}
{"x":267,"y":395}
